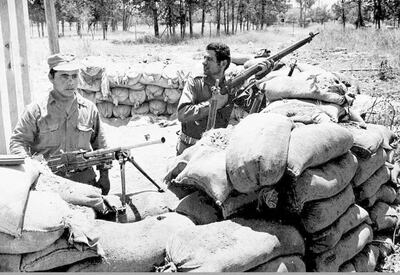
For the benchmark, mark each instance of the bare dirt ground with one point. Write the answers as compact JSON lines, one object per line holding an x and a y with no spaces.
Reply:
{"x":154,"y":158}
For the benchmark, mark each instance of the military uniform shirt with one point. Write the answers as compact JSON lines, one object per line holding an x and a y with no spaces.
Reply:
{"x":46,"y":128}
{"x":193,"y":107}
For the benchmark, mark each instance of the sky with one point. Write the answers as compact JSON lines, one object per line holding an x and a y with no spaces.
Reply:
{"x":329,"y":3}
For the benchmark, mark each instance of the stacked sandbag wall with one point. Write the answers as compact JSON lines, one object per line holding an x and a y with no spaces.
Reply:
{"x":38,"y":230}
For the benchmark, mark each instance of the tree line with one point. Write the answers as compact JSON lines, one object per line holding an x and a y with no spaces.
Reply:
{"x":177,"y":17}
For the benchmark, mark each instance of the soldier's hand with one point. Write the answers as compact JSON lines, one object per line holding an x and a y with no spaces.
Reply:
{"x":104,"y":182}
{"x":221,"y":100}
{"x":267,"y":66}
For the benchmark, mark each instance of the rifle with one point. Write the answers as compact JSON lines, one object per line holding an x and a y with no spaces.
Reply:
{"x":234,"y":83}
{"x":212,"y":113}
{"x":70,"y":162}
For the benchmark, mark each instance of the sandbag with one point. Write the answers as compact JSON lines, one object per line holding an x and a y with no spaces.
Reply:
{"x":298,"y":111}
{"x":320,"y":182}
{"x":233,"y":245}
{"x":389,"y":137}
{"x":385,"y":194}
{"x":366,"y":142}
{"x":59,"y":254}
{"x":326,"y":239}
{"x":105,"y":109}
{"x":39,"y":231}
{"x":315,"y":144}
{"x":347,"y":267}
{"x":71,"y":191}
{"x":133,"y":77}
{"x":206,"y":170}
{"x":200,"y":208}
{"x":282,"y":264}
{"x":349,"y":246}
{"x":157,"y":107}
{"x":119,"y":94}
{"x":151,"y":73}
{"x":134,"y":247}
{"x":318,"y":215}
{"x":154,"y":92}
{"x":122,"y":111}
{"x":383,"y":216}
{"x":304,"y":85}
{"x":171,"y":109}
{"x":384,"y":243}
{"x":172,"y":95}
{"x":237,"y":202}
{"x":10,"y":262}
{"x":367,"y":167}
{"x":138,"y":87}
{"x":368,"y":188}
{"x":144,"y":204}
{"x":367,"y":259}
{"x":14,"y":195}
{"x":257,"y":153}
{"x":140,"y":110}
{"x":137,"y":97}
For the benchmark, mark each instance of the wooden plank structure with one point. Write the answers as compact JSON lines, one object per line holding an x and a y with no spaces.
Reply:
{"x":15,"y":90}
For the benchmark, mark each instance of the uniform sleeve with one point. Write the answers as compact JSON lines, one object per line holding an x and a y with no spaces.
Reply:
{"x":187,"y":109}
{"x":24,"y":133}
{"x":98,"y":139}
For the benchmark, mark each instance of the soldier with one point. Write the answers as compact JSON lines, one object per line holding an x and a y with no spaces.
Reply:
{"x":64,"y":121}
{"x":194,"y":104}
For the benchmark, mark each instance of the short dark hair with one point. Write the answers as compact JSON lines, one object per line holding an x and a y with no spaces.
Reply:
{"x":222,"y":52}
{"x":52,"y":72}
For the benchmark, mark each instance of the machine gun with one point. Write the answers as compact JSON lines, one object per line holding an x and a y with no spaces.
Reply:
{"x":70,"y":162}
{"x":235,"y":84}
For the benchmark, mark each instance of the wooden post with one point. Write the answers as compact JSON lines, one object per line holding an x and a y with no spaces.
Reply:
{"x":51,"y":22}
{"x":9,"y":66}
{"x":21,"y":7}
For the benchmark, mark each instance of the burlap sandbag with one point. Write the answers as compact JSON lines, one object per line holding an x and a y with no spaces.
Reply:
{"x":122,"y":111}
{"x":326,"y":239}
{"x":140,"y":110}
{"x":171,"y":109}
{"x":237,"y":202}
{"x":385,"y":194}
{"x":349,"y":246}
{"x":367,"y":167}
{"x":206,"y":170}
{"x":15,"y":184}
{"x":200,"y":208}
{"x":10,"y":262}
{"x":137,"y":97}
{"x":318,"y":215}
{"x":157,"y":107}
{"x":347,"y":267}
{"x":257,"y":153}
{"x":282,"y":264}
{"x":315,"y":144}
{"x":119,"y":94}
{"x":71,"y":191}
{"x":366,"y":142}
{"x":172,"y":95}
{"x":367,"y":259}
{"x":39,"y":230}
{"x":231,"y":246}
{"x":320,"y":182}
{"x":151,"y":72}
{"x":144,"y":204}
{"x":383,"y":216}
{"x":368,"y":188}
{"x":105,"y":108}
{"x":389,"y":137}
{"x":134,"y":247}
{"x":298,"y":111}
{"x":154,"y":92}
{"x":304,"y":85}
{"x":59,"y":254}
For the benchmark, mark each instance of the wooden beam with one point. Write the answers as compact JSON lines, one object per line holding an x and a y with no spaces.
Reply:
{"x":21,"y":7}
{"x":9,"y":66}
{"x":51,"y":22}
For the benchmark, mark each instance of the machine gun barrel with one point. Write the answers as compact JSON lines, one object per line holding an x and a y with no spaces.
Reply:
{"x":256,"y":68}
{"x":123,"y":148}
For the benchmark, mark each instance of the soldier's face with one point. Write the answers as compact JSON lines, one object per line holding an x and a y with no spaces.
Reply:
{"x":65,"y":82}
{"x":210,"y":64}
